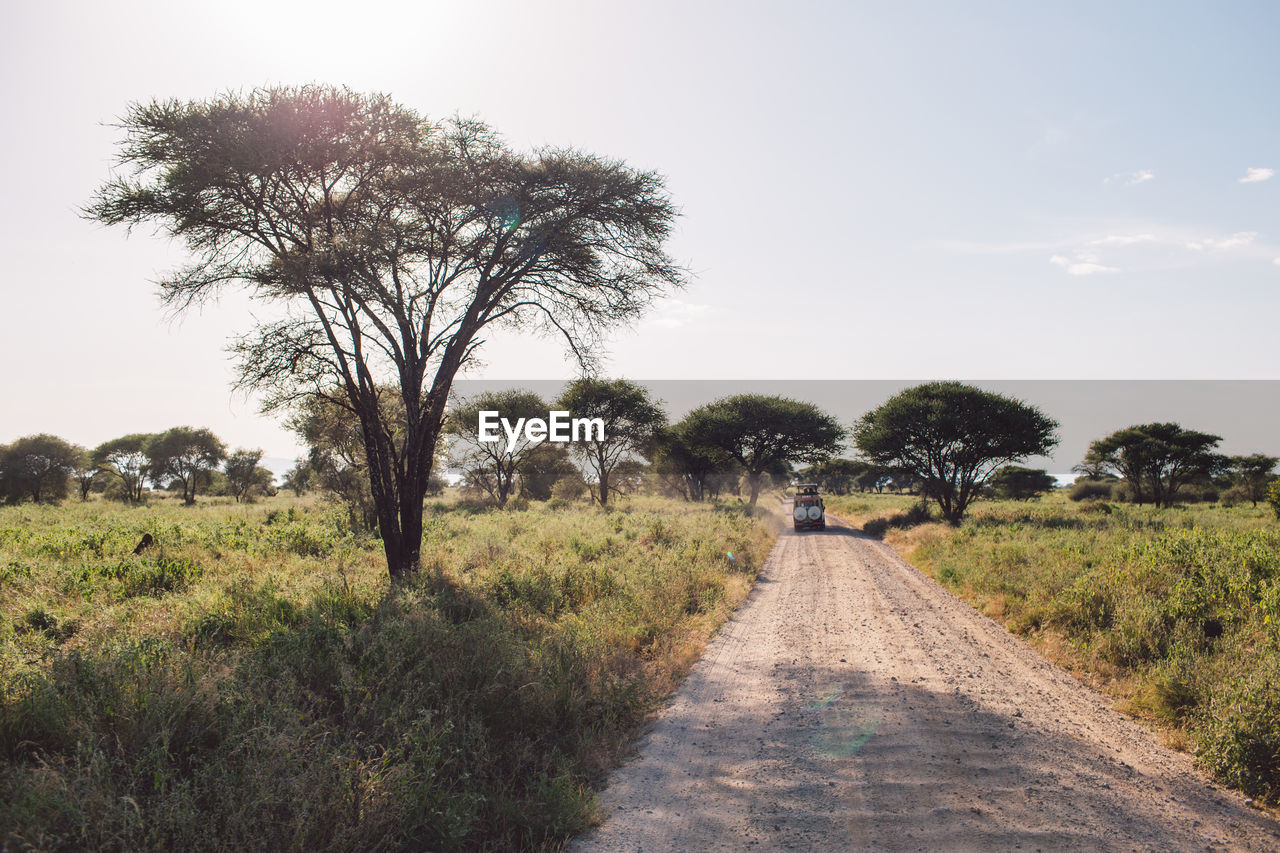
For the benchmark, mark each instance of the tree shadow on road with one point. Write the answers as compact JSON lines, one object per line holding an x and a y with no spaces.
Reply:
{"x":848,"y":760}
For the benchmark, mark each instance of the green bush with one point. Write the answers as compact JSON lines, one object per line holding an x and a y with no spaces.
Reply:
{"x":1087,"y":490}
{"x":1239,"y":734}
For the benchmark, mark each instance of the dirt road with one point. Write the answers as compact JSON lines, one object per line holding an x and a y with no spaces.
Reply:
{"x":852,"y":703}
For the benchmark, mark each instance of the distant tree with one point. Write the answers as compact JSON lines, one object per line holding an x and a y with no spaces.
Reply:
{"x":264,"y":483}
{"x":125,"y":458}
{"x":1156,"y":459}
{"x":837,"y":476}
{"x":1021,"y":484}
{"x":570,"y":487}
{"x":1252,"y":474}
{"x":877,"y":478}
{"x":491,"y":466}
{"x":84,"y":473}
{"x":951,"y":436}
{"x":631,"y":423}
{"x":244,"y":475}
{"x":184,"y":456}
{"x":336,"y":457}
{"x":777,"y":475}
{"x":1095,"y":469}
{"x":1273,"y":496}
{"x":629,"y":476}
{"x":542,"y":468}
{"x":298,"y":478}
{"x":695,"y":471}
{"x":762,"y":432}
{"x":38,"y":466}
{"x":393,"y":244}
{"x":869,"y":477}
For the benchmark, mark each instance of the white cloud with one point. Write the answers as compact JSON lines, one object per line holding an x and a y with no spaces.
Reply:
{"x":1254,"y":175}
{"x":1123,"y":239}
{"x":1081,"y":266}
{"x":1131,"y":178}
{"x":1276,"y":262}
{"x":1235,"y":241}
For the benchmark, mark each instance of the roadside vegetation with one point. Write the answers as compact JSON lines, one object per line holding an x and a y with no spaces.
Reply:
{"x":1175,"y":611}
{"x":253,"y":680}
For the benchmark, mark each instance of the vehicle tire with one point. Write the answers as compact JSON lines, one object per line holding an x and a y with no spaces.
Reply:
{"x":800,"y":513}
{"x":815,"y":513}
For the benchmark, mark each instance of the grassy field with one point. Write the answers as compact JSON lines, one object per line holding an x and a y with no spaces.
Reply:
{"x":253,"y":682}
{"x":1176,"y":612}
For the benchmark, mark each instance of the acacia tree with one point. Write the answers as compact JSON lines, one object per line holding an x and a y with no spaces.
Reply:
{"x":126,"y":459}
{"x":336,"y":461}
{"x":38,"y":465}
{"x":696,"y":471}
{"x":1156,"y":459}
{"x":186,"y":455}
{"x":631,"y":418}
{"x":391,"y":243}
{"x":951,"y":436}
{"x":298,"y":478}
{"x":1252,"y":474}
{"x":763,"y":433}
{"x":244,"y":474}
{"x":492,"y":465}
{"x":83,"y":472}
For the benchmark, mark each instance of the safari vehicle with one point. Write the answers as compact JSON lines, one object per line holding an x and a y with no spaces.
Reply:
{"x":810,"y":512}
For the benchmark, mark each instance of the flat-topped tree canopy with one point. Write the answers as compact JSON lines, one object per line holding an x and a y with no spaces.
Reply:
{"x":951,"y":437}
{"x":390,"y":241}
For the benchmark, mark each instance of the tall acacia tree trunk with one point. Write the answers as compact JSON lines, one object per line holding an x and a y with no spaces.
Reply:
{"x":398,"y":478}
{"x":604,"y":488}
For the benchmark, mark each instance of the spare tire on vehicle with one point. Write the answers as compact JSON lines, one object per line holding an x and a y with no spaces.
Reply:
{"x":800,"y":514}
{"x":815,"y":512}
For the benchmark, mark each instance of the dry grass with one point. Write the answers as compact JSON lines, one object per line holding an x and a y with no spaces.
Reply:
{"x":253,"y":681}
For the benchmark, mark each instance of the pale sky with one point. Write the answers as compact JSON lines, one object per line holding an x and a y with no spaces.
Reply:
{"x":869,"y":190}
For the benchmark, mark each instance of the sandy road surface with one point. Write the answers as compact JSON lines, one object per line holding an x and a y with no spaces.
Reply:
{"x":852,"y":703}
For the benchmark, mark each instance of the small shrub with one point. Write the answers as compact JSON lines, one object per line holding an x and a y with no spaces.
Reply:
{"x":917,"y":513}
{"x":37,"y":619}
{"x":1240,"y":738}
{"x":1122,"y":492}
{"x":876,"y":527}
{"x":569,"y":488}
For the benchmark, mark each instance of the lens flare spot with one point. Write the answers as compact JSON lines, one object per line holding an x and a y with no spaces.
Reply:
{"x":846,"y":727}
